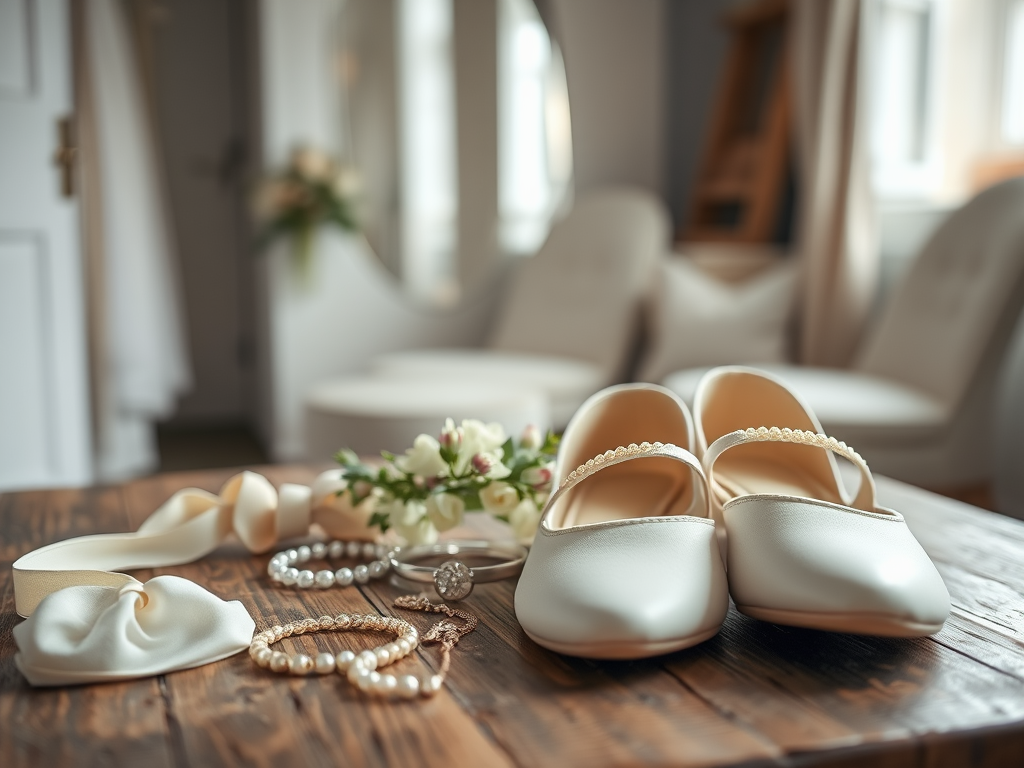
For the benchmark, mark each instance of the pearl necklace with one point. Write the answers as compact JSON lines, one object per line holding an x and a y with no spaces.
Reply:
{"x":282,"y":565}
{"x":361,"y":669}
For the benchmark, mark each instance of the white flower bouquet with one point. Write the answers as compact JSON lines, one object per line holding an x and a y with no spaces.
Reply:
{"x":314,"y":189}
{"x":471,"y":467}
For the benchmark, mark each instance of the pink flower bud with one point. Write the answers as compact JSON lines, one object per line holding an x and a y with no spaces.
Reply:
{"x":537,"y":477}
{"x":482,"y":464}
{"x":531,"y":439}
{"x":451,"y":438}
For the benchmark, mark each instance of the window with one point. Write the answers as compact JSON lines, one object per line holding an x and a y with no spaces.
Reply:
{"x":427,"y":141}
{"x":1011,"y":121}
{"x":902,"y":97}
{"x":534,"y":136}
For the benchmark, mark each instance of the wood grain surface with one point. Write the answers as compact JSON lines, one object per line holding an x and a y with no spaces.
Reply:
{"x":755,"y":694}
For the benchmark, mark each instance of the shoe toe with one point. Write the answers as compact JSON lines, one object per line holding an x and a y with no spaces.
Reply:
{"x":624,"y":590}
{"x":815,"y":558}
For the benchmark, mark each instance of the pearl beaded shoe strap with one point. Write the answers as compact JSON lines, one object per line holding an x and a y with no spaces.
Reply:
{"x":633,"y":451}
{"x":86,"y":617}
{"x":865,"y":498}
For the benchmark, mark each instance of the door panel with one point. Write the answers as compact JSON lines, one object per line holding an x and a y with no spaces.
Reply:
{"x":44,"y":414}
{"x":24,"y":391}
{"x":15,"y":41}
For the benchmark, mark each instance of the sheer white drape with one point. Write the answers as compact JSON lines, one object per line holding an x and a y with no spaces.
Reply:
{"x":139,"y":358}
{"x":836,"y":228}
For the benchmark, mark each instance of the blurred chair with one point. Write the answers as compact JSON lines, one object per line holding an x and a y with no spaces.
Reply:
{"x":368,"y":414}
{"x":565,"y":331}
{"x":1008,"y":454}
{"x":569,"y":318}
{"x":918,"y":402}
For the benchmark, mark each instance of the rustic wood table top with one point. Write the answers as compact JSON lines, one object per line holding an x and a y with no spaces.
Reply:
{"x":755,"y":694}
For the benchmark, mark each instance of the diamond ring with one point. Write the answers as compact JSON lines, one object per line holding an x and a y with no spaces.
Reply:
{"x":453,"y":579}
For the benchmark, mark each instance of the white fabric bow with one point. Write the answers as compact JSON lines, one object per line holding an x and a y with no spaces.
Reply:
{"x":90,"y":634}
{"x":89,"y":622}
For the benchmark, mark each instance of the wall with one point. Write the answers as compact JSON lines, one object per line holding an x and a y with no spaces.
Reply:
{"x":196,"y":55}
{"x":614,"y":64}
{"x":642,"y":76}
{"x":695,"y":43}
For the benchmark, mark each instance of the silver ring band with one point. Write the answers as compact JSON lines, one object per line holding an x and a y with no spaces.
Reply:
{"x":454,"y":580}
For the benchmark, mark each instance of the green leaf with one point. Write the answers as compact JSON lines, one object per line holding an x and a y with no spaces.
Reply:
{"x":380,"y":520}
{"x":551,"y":441}
{"x":508,"y":450}
{"x":347,"y":457}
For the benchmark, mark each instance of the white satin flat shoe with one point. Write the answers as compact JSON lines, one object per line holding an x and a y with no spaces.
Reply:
{"x":625,"y":563}
{"x":799,"y":551}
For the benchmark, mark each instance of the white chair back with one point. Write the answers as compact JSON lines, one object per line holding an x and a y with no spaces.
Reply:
{"x":958,"y":301}
{"x":580,"y":295}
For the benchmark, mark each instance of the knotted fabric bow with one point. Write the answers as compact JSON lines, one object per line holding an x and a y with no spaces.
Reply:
{"x":89,"y":622}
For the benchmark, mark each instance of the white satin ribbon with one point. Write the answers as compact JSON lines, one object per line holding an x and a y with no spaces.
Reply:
{"x":90,"y":622}
{"x":91,"y":634}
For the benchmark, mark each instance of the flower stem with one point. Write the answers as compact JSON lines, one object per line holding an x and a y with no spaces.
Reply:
{"x":302,"y":250}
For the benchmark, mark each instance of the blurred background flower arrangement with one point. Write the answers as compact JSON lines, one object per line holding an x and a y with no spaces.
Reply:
{"x":313,"y":189}
{"x":471,"y":467}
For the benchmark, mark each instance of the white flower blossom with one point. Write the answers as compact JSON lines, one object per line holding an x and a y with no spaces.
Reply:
{"x":347,"y":182}
{"x":424,"y":458}
{"x":445,"y":510}
{"x":524,"y":519}
{"x":489,"y":465}
{"x":499,"y":498}
{"x":311,"y":163}
{"x":451,"y":436}
{"x":479,"y":438}
{"x":410,"y":521}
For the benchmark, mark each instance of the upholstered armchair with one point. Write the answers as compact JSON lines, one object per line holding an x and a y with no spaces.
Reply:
{"x":918,"y":401}
{"x":569,"y":318}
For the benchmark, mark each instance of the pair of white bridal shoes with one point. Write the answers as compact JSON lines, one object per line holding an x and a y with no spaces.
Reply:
{"x":629,"y":557}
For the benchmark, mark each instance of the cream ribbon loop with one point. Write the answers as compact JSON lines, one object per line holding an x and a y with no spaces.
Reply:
{"x":188,"y":526}
{"x":88,"y":621}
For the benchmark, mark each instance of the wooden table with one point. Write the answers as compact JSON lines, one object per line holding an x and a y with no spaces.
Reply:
{"x":755,"y":694}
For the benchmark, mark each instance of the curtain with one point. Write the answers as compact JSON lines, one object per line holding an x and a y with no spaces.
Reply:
{"x":138,"y":357}
{"x":836,"y":235}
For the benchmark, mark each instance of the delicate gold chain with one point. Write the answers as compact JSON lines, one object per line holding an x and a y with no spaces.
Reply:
{"x":446,"y":633}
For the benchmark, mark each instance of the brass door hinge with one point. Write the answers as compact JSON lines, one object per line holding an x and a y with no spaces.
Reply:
{"x":66,"y":155}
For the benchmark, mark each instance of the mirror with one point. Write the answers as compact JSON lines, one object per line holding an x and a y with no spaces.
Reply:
{"x":457,"y":121}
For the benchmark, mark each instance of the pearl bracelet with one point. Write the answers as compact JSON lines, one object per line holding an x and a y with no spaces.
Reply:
{"x":282,"y":565}
{"x":360,"y":669}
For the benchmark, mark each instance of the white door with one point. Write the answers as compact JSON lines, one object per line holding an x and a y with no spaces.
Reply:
{"x":44,"y":404}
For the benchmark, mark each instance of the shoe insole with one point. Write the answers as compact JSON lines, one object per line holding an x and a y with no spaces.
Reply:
{"x":611,"y":495}
{"x":741,"y":476}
